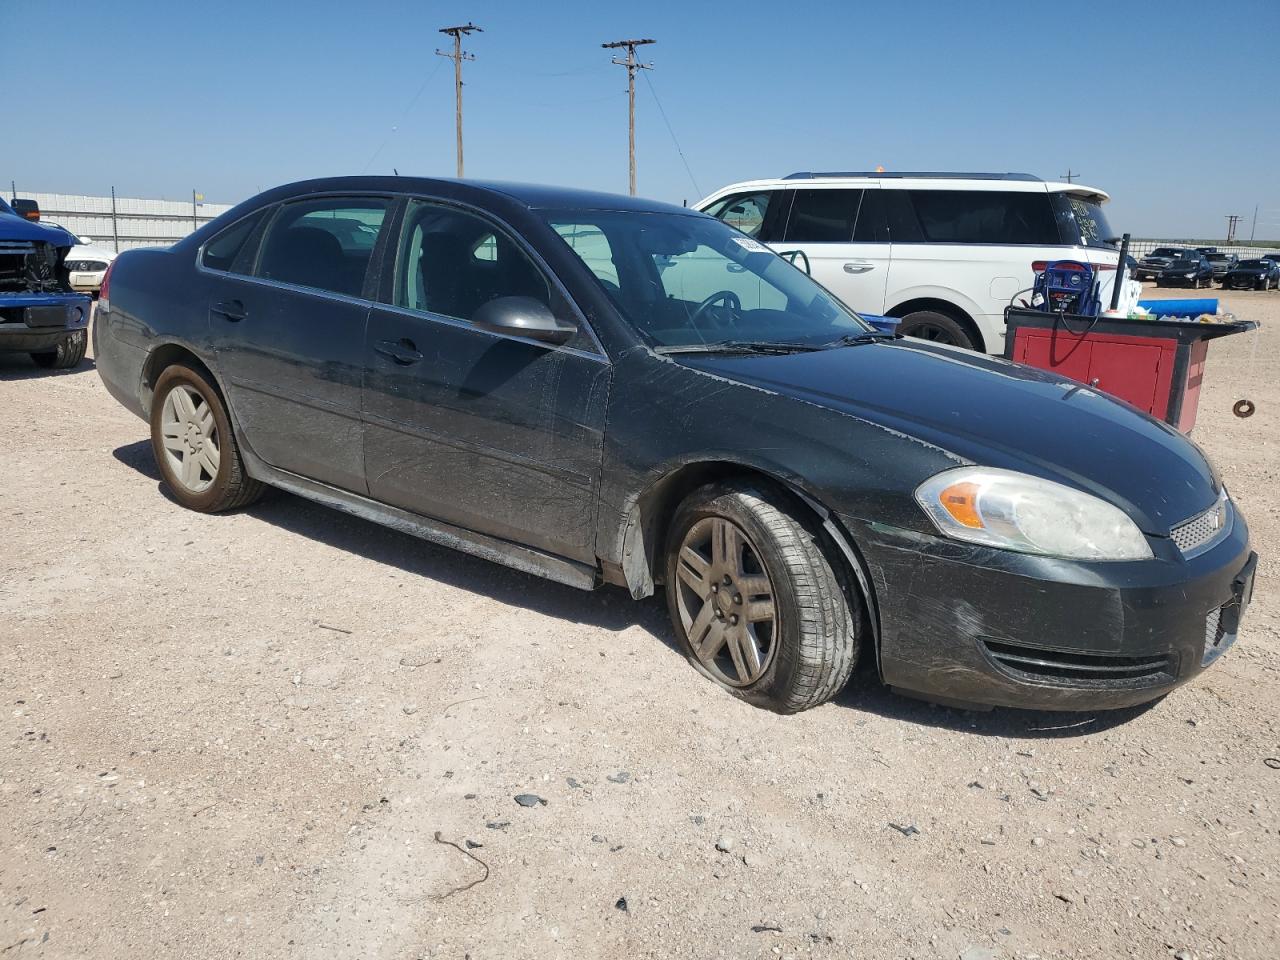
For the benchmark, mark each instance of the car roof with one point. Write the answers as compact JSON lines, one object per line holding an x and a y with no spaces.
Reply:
{"x":1016,"y":182}
{"x":531,"y":195}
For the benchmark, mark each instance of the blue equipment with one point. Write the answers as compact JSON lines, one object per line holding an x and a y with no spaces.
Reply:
{"x":1067,"y":286}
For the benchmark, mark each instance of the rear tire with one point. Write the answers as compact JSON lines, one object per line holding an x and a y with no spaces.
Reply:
{"x":755,"y":602}
{"x":194,"y":445}
{"x":68,"y":353}
{"x":935,"y":327}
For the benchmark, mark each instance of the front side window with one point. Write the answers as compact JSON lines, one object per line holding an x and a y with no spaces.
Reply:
{"x":822,"y":216}
{"x":230,"y":250}
{"x":986,"y":216}
{"x":451,"y":262}
{"x":325,"y":244}
{"x":745,"y":211}
{"x":686,"y":279}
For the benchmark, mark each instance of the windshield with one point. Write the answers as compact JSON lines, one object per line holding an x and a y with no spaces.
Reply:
{"x":1167,"y":252}
{"x":1254,"y":263}
{"x":4,"y":207}
{"x":689,"y":279}
{"x":1217,"y":257}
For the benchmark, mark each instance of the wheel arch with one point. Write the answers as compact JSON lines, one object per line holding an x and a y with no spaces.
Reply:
{"x":644,"y":529}
{"x":166,"y":355}
{"x":947,"y":308}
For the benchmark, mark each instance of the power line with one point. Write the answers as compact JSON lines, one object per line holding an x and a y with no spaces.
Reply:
{"x":632,"y":65}
{"x":687,"y":170}
{"x":457,"y":57}
{"x":405,"y":113}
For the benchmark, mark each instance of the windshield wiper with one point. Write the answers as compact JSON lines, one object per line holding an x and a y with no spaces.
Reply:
{"x":871,"y":336}
{"x":739,"y":346}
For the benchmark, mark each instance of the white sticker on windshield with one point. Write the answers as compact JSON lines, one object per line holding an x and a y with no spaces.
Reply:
{"x":751,"y":246}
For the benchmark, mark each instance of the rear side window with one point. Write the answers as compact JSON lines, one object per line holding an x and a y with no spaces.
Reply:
{"x":822,"y":216}
{"x":985,"y":216}
{"x":745,"y":211}
{"x":325,"y":244}
{"x":231,"y":250}
{"x":452,"y":262}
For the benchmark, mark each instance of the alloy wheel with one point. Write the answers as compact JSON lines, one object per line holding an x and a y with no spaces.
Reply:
{"x":726,"y":602}
{"x":190,"y":437}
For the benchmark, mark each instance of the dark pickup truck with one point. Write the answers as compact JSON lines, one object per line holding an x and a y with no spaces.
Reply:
{"x":39,"y":313}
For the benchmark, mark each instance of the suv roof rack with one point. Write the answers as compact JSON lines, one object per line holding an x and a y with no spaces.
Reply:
{"x":806,"y":175}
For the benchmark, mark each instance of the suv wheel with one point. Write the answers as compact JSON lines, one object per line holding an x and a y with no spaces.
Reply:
{"x":68,"y":353}
{"x":194,"y":446}
{"x":936,"y":327}
{"x":755,"y":602}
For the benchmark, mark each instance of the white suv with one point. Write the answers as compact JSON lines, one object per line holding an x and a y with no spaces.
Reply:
{"x":945,"y":252}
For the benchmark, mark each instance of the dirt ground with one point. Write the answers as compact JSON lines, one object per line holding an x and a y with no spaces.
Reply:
{"x":259,"y":735}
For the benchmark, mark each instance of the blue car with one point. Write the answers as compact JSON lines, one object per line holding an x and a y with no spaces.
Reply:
{"x":39,"y":312}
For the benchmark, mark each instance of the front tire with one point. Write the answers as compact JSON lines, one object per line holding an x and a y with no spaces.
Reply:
{"x":68,"y":353}
{"x":756,"y":603}
{"x":194,"y":446}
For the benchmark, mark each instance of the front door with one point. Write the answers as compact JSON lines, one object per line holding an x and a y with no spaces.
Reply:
{"x":290,"y":338}
{"x":822,"y":221}
{"x":493,"y":433}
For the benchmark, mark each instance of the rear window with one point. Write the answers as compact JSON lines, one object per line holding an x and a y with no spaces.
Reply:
{"x":230,"y":250}
{"x":1082,"y":220}
{"x":985,"y":216}
{"x":325,"y":244}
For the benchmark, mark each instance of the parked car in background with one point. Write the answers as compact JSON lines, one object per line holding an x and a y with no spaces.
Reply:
{"x":1260,"y":274}
{"x":605,"y":389}
{"x":1220,"y":263}
{"x":39,"y":312}
{"x":1152,"y":265}
{"x":86,"y":263}
{"x":1275,"y":256}
{"x":1189,"y":270}
{"x":944,"y":252}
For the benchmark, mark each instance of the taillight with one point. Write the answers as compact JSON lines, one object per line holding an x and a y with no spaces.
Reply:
{"x":104,"y":292}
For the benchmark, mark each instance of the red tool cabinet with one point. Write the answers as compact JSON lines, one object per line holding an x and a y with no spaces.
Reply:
{"x":1156,"y":365}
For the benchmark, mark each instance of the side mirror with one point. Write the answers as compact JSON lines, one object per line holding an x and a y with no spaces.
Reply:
{"x":27,"y":209}
{"x":523,"y":317}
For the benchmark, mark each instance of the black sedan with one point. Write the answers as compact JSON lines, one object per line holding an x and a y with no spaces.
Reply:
{"x":606,"y":390}
{"x":1252,"y":275}
{"x":1192,"y":270}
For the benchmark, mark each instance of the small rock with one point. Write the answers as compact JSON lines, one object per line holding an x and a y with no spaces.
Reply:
{"x":1037,"y":841}
{"x":498,"y":824}
{"x":472,"y":845}
{"x":409,"y":709}
{"x":574,"y":784}
{"x":596,"y":838}
{"x":977,"y":953}
{"x":906,"y":831}
{"x":620,"y":777}
{"x":697,"y":819}
{"x":468,"y":796}
{"x":1177,"y":841}
{"x":766,"y":928}
{"x":529,"y":800}
{"x":621,"y":904}
{"x":724,"y":844}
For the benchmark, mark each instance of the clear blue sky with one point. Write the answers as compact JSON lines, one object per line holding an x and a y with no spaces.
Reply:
{"x":1173,"y":107}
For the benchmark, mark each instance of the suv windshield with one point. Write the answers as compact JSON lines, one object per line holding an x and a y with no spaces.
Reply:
{"x":1167,"y":252}
{"x":682,"y":280}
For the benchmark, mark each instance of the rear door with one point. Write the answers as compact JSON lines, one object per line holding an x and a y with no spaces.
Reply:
{"x":822,"y":222}
{"x":289,"y":338}
{"x":494,"y":433}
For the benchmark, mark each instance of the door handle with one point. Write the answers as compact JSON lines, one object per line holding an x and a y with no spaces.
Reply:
{"x":401,"y":351}
{"x":859,"y":266}
{"x":232,"y":310}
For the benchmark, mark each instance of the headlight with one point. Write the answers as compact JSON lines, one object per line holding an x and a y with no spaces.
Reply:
{"x":1190,"y":276}
{"x":1014,"y":511}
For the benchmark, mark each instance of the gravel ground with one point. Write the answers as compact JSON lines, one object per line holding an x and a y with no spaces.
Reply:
{"x":260,"y":735}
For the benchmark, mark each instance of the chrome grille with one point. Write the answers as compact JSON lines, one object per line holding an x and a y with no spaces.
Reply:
{"x":1200,"y":531}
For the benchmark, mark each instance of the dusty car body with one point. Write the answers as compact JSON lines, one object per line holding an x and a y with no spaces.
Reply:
{"x":627,"y":431}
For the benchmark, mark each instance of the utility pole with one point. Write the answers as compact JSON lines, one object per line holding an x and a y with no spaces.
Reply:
{"x":1254,"y":228}
{"x":1232,"y":220}
{"x":1069,"y":176}
{"x":632,"y":65}
{"x":457,"y":57}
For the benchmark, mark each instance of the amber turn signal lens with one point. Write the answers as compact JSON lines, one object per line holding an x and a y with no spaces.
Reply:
{"x":961,"y":501}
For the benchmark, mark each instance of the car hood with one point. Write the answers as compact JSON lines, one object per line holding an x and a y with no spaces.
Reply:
{"x":996,"y":413}
{"x":14,"y":227}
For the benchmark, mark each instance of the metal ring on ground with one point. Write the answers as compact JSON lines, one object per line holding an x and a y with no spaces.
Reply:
{"x":1243,"y":409}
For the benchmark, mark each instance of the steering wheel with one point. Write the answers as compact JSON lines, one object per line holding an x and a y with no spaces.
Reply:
{"x":727,"y":297}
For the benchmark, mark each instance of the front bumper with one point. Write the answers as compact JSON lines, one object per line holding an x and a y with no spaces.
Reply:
{"x":974,"y":625}
{"x":35,"y":322}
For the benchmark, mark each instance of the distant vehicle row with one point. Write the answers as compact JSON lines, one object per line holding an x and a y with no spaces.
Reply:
{"x":1199,"y":266}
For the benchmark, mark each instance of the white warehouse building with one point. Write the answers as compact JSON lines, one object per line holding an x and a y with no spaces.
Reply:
{"x":136,"y":222}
